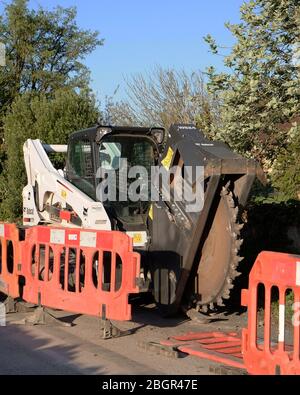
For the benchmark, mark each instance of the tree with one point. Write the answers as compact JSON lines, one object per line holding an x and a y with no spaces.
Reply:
{"x":34,"y":115}
{"x":166,"y":97}
{"x":44,"y":89}
{"x":261,"y":91}
{"x":285,"y":173}
{"x":44,"y":52}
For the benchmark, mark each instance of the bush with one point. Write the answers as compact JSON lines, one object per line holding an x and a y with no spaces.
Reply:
{"x":37,"y":117}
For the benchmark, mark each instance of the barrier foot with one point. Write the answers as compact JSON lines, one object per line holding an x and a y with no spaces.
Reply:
{"x":10,"y":305}
{"x":16,"y":306}
{"x":111,"y":331}
{"x":157,"y":348}
{"x":41,"y":316}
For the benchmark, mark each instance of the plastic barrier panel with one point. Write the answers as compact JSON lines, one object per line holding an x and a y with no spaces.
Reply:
{"x":224,"y":348}
{"x":271,"y":344}
{"x":81,"y":271}
{"x":9,"y":259}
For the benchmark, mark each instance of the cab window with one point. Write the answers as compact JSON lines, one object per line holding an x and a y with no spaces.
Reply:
{"x":80,"y":169}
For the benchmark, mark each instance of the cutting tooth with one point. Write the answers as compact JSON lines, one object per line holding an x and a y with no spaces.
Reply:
{"x":239,"y":226}
{"x":223,"y":192}
{"x":231,"y":202}
{"x":236,"y":273}
{"x":237,"y":260}
{"x":229,"y":283}
{"x":220,"y":302}
{"x":204,"y":308}
{"x":227,"y":185}
{"x":239,"y":242}
{"x":226,"y":294}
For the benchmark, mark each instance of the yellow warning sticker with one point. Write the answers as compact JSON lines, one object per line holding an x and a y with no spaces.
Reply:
{"x":63,"y":194}
{"x":166,"y":162}
{"x":137,"y":238}
{"x":151,"y":212}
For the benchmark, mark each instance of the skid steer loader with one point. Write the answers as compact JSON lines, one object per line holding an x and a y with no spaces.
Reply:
{"x":188,"y":257}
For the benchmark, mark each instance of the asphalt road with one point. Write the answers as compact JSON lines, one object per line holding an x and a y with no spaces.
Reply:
{"x":81,"y":350}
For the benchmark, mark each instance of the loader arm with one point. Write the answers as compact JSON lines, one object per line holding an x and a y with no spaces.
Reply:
{"x":50,"y":198}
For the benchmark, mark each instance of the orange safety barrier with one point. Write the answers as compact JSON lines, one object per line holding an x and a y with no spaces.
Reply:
{"x":274,"y":347}
{"x":224,"y":348}
{"x":81,"y":271}
{"x":9,"y":259}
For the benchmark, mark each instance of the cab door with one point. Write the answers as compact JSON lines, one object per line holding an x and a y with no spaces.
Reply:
{"x":80,"y":167}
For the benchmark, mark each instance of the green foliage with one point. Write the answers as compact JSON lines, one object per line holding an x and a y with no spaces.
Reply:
{"x":44,"y":51}
{"x":261,"y":91}
{"x":289,"y":307}
{"x":286,"y":169}
{"x":36,"y":116}
{"x":43,"y":88}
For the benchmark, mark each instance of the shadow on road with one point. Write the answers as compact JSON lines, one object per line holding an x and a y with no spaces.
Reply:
{"x":23,"y":352}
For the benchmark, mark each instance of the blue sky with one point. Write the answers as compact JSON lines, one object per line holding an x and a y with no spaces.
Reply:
{"x":142,"y":34}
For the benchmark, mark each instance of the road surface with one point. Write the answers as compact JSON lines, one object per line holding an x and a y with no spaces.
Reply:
{"x":81,"y":350}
